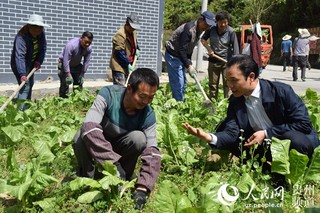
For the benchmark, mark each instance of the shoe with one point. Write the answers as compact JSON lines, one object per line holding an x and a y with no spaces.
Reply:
{"x":278,"y":180}
{"x":294,"y":79}
{"x":303,"y":79}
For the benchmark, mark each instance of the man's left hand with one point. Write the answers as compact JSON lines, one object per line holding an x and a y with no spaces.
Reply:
{"x":256,"y":138}
{"x":138,"y":54}
{"x":191,"y":70}
{"x":140,"y":199}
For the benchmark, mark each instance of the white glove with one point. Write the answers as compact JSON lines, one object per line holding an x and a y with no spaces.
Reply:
{"x":191,"y":70}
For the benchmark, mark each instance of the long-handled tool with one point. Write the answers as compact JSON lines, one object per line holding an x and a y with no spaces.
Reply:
{"x":17,"y":90}
{"x":207,"y":103}
{"x":218,"y":57}
{"x":133,"y":65}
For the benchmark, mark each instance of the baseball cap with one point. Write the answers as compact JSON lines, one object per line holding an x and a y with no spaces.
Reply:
{"x":209,"y":17}
{"x":134,"y":21}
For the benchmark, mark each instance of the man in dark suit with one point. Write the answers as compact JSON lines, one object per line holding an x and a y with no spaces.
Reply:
{"x":263,"y":109}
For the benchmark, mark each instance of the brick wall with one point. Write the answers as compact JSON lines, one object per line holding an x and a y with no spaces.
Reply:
{"x":69,"y":19}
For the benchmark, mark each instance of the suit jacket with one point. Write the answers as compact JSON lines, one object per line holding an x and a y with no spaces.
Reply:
{"x":282,"y":105}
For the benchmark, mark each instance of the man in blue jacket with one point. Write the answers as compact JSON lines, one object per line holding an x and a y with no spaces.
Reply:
{"x":263,"y":109}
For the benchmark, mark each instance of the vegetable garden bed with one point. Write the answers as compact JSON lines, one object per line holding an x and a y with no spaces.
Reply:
{"x":38,"y":166}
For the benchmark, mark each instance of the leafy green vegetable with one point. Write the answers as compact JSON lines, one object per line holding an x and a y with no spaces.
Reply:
{"x":312,"y":173}
{"x":280,"y":156}
{"x":298,"y":165}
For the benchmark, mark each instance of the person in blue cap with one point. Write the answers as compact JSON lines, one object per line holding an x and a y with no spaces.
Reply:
{"x":179,"y":49}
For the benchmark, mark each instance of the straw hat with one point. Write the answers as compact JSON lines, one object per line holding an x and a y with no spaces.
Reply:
{"x":36,"y":20}
{"x":286,"y":37}
{"x":304,"y":33}
{"x":313,"y":38}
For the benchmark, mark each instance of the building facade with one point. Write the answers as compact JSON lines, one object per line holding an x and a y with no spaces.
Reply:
{"x":69,"y":19}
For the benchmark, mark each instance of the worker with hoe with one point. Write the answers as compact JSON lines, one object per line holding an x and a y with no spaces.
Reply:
{"x":29,"y":49}
{"x":125,"y":50}
{"x":223,"y":43}
{"x":120,"y":127}
{"x":179,"y":49}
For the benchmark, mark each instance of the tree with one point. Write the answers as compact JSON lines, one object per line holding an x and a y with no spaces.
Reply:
{"x":179,"y":12}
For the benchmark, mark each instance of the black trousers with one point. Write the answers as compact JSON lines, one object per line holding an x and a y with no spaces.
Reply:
{"x":75,"y":73}
{"x":130,"y":147}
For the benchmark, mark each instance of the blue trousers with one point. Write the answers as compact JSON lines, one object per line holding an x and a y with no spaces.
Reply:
{"x":177,"y":76}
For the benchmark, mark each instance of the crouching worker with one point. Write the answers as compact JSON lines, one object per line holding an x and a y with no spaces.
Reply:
{"x":262,"y":109}
{"x":119,"y":127}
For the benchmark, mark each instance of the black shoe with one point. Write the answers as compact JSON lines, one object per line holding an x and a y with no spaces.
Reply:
{"x":294,"y":79}
{"x":278,"y":180}
{"x":303,"y":79}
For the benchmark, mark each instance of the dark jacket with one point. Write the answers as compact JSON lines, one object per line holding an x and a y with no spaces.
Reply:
{"x":183,"y":41}
{"x":21,"y":56}
{"x":282,"y":105}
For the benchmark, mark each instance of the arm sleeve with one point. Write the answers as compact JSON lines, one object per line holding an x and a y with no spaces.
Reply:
{"x":296,"y":116}
{"x":86,"y":61}
{"x":206,"y":34}
{"x":229,"y":131}
{"x":121,"y":58}
{"x":43,"y":49}
{"x":20,"y":55}
{"x":67,"y":53}
{"x":235,"y":44}
{"x":185,"y":39}
{"x":150,"y":169}
{"x":119,"y":43}
{"x":92,"y":133}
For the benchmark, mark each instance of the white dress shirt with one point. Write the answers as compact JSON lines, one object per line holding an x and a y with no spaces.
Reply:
{"x":258,"y":118}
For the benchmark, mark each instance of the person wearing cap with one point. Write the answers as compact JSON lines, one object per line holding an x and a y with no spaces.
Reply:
{"x":223,"y":43}
{"x":125,"y":50}
{"x":29,"y":49}
{"x":179,"y":49}
{"x":286,"y":51}
{"x":299,"y":58}
{"x":70,"y":68}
